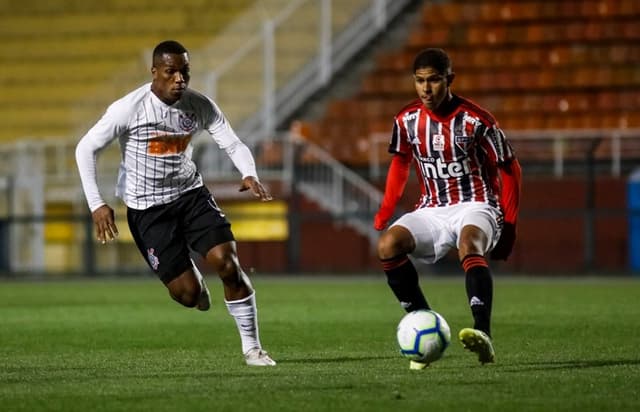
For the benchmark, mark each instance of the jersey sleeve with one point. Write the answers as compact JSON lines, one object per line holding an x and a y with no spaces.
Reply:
{"x":511,"y":186}
{"x":225,"y":137}
{"x":496,"y":145}
{"x":501,"y":153}
{"x":504,"y":167}
{"x":399,"y":143}
{"x":111,"y":125}
{"x":397,"y":178}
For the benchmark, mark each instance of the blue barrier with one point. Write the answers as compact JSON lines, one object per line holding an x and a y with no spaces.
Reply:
{"x":633,"y":203}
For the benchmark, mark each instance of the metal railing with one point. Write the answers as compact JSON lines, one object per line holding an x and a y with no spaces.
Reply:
{"x":284,"y":88}
{"x":336,"y":188}
{"x":36,"y":175}
{"x":557,"y":148}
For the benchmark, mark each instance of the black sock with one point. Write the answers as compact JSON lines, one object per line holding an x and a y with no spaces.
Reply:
{"x":479,"y":287}
{"x":402,"y":277}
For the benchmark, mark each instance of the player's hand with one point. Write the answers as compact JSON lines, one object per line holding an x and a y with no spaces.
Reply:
{"x":256,"y":187}
{"x":504,"y":247}
{"x":381,"y":219}
{"x":105,"y":224}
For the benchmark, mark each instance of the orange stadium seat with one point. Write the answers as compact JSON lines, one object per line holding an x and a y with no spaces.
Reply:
{"x":535,"y":64}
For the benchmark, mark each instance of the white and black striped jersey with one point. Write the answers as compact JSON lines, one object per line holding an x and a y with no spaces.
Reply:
{"x":156,"y":147}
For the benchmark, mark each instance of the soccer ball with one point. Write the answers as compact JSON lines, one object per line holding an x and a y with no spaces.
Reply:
{"x":423,"y":336}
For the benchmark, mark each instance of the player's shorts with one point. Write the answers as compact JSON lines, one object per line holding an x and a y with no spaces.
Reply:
{"x":436,"y":230}
{"x":166,"y":234}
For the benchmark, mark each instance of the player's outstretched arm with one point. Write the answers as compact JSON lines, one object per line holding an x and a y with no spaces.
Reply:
{"x":259,"y":191}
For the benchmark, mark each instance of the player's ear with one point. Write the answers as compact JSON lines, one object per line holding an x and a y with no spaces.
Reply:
{"x":450,"y":78}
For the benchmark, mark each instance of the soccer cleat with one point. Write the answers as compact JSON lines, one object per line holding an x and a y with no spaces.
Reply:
{"x":204,"y":300}
{"x":416,"y":366}
{"x":258,"y":357}
{"x":479,"y":342}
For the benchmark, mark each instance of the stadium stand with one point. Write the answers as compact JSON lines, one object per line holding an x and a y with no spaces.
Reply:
{"x":535,"y":64}
{"x":66,"y":60}
{"x":58,"y":52}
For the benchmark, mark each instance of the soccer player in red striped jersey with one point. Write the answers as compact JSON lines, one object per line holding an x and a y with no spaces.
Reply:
{"x":170,"y":212}
{"x":470,"y":190}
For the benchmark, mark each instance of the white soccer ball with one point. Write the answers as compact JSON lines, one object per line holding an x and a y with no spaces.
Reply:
{"x":423,"y":335}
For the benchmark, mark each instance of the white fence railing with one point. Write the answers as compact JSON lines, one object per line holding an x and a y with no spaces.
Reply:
{"x":336,"y":188}
{"x":34,"y":175}
{"x":557,"y":146}
{"x":294,"y":62}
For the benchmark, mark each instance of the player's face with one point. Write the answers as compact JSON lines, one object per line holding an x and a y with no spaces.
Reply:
{"x":170,"y":77}
{"x":432,"y":87}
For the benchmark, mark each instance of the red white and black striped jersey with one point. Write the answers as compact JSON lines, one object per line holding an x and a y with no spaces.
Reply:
{"x":457,"y":156}
{"x":156,"y":144}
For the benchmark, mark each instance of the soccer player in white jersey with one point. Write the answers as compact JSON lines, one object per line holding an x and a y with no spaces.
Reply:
{"x":470,"y":184}
{"x":169,"y":210}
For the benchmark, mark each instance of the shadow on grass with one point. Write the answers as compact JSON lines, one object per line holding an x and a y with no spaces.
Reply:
{"x":339,"y":359}
{"x":572,"y":364}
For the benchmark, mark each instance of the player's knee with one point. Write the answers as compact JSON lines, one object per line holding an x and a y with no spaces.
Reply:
{"x":188,"y":298}
{"x":228,"y":270}
{"x":473,"y":241}
{"x":385,"y":246}
{"x":393,"y":243}
{"x":470,"y":248}
{"x":184,"y":292}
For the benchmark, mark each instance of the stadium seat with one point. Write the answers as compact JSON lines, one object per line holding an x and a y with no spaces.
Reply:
{"x":535,"y":65}
{"x":64,"y":59}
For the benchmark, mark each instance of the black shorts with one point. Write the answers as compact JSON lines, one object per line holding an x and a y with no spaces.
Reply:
{"x":167,"y":234}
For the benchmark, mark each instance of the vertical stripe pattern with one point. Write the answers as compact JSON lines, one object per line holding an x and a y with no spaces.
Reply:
{"x":456,"y":157}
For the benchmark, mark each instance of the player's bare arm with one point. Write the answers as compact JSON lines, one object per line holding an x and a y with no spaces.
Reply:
{"x":104,"y":223}
{"x":259,"y":191}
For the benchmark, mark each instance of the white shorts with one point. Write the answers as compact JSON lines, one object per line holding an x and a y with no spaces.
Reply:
{"x":436,"y":230}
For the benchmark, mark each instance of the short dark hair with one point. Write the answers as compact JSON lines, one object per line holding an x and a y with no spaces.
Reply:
{"x":167,"y":47}
{"x":434,"y":58}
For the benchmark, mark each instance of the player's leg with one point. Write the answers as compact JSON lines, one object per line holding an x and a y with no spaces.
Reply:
{"x":209,"y":234}
{"x":166,"y":252}
{"x":478,"y":281}
{"x":204,"y":300}
{"x":402,"y":277}
{"x":240,"y":299}
{"x":478,"y":234}
{"x":189,"y":288}
{"x":421,"y":234}
{"x":186,"y":289}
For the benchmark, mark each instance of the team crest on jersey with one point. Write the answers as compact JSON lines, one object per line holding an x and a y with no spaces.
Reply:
{"x":153,"y":259}
{"x":462,"y":142}
{"x":187,"y":121}
{"x":438,"y":142}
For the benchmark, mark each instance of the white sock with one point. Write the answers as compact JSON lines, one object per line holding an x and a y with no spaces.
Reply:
{"x":245,"y":313}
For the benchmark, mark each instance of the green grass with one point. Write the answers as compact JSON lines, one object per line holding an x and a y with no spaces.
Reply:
{"x":561,"y":345}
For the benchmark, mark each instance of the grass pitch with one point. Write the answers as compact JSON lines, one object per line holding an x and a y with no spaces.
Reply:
{"x":561,"y":345}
